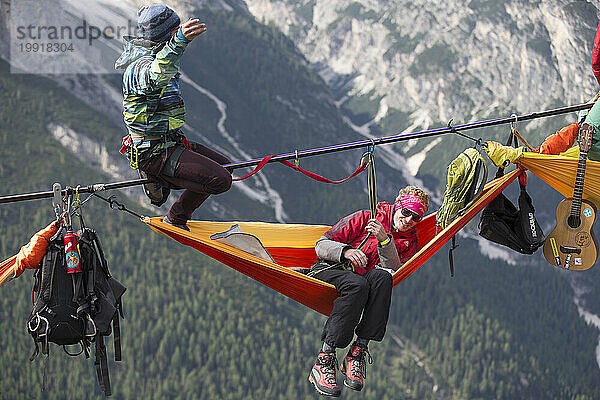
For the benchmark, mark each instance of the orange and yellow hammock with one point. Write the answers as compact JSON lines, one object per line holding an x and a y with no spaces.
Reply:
{"x":559,"y":172}
{"x":292,"y":245}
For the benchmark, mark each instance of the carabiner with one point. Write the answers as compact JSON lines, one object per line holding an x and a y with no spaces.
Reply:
{"x":372,"y":150}
{"x":134,"y":158}
{"x":76,"y":198}
{"x":514,"y":125}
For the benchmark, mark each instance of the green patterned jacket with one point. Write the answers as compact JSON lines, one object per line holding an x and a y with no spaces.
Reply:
{"x":152,"y":106}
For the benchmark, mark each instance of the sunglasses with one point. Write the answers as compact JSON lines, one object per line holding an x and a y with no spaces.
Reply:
{"x":408,"y":213}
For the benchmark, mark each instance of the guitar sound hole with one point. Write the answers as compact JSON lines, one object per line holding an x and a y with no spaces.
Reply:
{"x":574,"y":222}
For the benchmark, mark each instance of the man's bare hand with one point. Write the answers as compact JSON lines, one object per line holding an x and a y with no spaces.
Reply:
{"x":356,"y":257}
{"x":192,"y":28}
{"x":376,"y":228}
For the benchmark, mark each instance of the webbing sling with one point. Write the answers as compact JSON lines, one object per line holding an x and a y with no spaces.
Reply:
{"x":117,"y":336}
{"x":368,"y":160}
{"x":101,"y":364}
{"x":297,"y":167}
{"x":172,"y":160}
{"x":371,"y":180}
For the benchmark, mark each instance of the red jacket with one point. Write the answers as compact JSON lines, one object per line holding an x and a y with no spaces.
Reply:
{"x":596,"y":55}
{"x":351,"y":230}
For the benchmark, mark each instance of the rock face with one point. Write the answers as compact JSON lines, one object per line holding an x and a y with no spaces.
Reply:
{"x":445,"y":58}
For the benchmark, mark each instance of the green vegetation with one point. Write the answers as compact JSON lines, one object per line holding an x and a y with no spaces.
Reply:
{"x":276,"y":101}
{"x":395,"y":121}
{"x":401,"y":44}
{"x":362,"y":108}
{"x":354,"y":10}
{"x":358,"y":11}
{"x":437,"y":57}
{"x":542,"y":47}
{"x":305,"y":11}
{"x":492,"y":9}
{"x":195,"y":329}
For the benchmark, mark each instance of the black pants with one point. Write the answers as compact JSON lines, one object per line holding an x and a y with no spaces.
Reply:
{"x":198,"y":171}
{"x":368,"y":295}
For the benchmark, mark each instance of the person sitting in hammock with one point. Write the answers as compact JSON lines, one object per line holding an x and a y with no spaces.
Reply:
{"x":357,"y":256}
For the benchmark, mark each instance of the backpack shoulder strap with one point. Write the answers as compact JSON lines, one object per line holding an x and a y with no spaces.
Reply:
{"x":480,"y":173}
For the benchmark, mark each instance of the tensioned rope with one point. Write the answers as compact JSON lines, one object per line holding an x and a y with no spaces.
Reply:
{"x":323,"y":150}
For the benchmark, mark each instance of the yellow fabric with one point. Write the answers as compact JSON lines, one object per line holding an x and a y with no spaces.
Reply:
{"x":500,"y":155}
{"x":286,"y":235}
{"x":292,"y":245}
{"x":573,"y":152}
{"x":559,"y":172}
{"x":290,"y":236}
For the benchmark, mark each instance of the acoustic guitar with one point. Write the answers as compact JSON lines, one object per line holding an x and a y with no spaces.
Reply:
{"x":572,"y":244}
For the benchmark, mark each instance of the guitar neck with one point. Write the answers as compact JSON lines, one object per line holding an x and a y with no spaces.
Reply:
{"x":578,"y":189}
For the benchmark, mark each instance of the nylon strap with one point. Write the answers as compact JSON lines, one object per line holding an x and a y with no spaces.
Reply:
{"x":344,"y":265}
{"x":172,"y":160}
{"x":117,"y":336}
{"x":371,"y":182}
{"x":450,"y":257}
{"x":101,"y":364}
{"x":516,"y":133}
{"x":296,"y":167}
{"x":369,"y":159}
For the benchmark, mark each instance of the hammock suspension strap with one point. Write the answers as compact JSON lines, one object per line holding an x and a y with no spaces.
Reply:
{"x":478,"y":142}
{"x":517,"y":135}
{"x":369,"y":160}
{"x":115,"y":205}
{"x":296,"y":166}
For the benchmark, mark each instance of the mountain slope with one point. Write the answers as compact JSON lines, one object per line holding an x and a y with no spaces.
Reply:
{"x":444,"y":58}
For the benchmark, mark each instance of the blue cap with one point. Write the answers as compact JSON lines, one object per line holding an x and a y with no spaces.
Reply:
{"x":156,"y":22}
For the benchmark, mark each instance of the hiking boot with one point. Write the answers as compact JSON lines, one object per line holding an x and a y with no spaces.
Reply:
{"x":157,"y":194}
{"x":180,"y":226}
{"x":322,"y":375}
{"x":354,"y":366}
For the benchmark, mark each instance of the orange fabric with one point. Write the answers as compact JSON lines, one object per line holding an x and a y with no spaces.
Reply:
{"x":7,"y":268}
{"x":561,"y":140}
{"x":292,"y":245}
{"x":490,"y":191}
{"x":32,"y":253}
{"x":283,"y":244}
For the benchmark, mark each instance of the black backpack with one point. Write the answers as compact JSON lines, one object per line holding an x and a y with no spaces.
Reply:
{"x":73,"y":309}
{"x":501,"y":222}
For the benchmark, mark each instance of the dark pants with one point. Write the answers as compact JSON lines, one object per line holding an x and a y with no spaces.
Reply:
{"x":198,"y":171}
{"x":368,"y":295}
